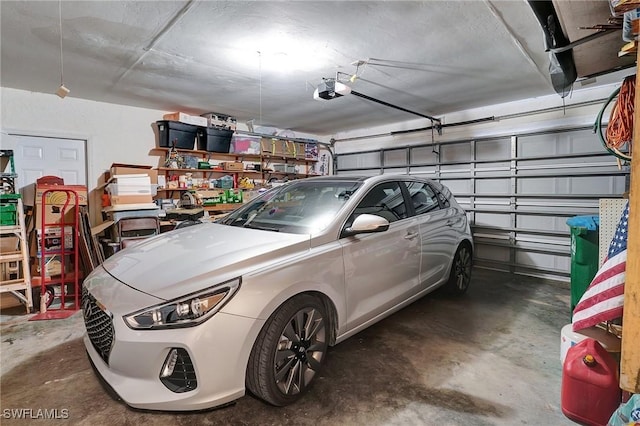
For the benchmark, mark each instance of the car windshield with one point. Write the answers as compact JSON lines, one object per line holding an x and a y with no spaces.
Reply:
{"x":301,"y":207}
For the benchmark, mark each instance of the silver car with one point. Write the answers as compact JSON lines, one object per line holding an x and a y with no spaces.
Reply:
{"x":192,"y":318}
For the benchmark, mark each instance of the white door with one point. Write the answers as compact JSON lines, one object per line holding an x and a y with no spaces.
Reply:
{"x":36,"y":156}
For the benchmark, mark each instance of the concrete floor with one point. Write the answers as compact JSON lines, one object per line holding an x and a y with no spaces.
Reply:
{"x":489,"y":358}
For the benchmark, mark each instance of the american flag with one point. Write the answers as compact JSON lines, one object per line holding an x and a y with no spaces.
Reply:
{"x":604,"y":297}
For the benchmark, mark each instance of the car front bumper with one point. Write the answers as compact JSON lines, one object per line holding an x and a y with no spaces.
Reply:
{"x":219,"y":349}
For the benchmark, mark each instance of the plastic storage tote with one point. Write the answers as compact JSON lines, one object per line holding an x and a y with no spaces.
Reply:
{"x":213,"y":140}
{"x":174,"y":132}
{"x":584,"y":254}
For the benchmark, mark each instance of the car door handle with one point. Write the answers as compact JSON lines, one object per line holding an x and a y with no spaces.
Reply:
{"x":451,"y":222}
{"x":410,"y":236}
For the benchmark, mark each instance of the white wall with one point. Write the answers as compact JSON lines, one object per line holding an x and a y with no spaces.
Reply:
{"x":114,"y":133}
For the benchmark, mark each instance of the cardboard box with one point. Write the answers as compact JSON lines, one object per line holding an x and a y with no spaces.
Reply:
{"x":59,"y":197}
{"x":133,"y":169}
{"x":9,"y":243}
{"x":132,"y":185}
{"x":54,"y":202}
{"x":131,"y":199}
{"x":53,"y":239}
{"x":274,"y":147}
{"x":187,"y":119}
{"x":53,"y":265}
{"x":53,"y":215}
{"x":233,"y":166}
{"x":294,"y":149}
{"x":8,"y":300}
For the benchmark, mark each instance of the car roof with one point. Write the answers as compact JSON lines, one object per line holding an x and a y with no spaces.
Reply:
{"x":372,"y":179}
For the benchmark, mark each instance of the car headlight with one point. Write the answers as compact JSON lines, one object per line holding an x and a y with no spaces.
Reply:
{"x":185,"y":311}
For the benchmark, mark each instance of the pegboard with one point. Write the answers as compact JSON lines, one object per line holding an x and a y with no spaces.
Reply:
{"x":610,"y":212}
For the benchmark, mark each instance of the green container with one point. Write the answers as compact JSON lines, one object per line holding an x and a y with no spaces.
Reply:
{"x":584,"y":254}
{"x":9,"y":209}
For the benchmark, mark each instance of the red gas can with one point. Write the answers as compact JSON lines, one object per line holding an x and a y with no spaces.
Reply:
{"x":590,"y":387}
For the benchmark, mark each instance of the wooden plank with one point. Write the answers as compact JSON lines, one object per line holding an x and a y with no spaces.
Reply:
{"x":630,"y":357}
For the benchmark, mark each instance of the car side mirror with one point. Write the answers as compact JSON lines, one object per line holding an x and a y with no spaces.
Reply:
{"x":367,"y":224}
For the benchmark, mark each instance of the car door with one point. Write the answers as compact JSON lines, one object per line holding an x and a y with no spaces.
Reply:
{"x":438,"y":242}
{"x":381,"y":269}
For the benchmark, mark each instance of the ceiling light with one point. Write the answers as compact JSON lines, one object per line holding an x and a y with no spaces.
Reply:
{"x":279,"y":53}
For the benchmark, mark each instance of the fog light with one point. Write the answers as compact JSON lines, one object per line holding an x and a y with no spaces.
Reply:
{"x":170,"y":363}
{"x":178,"y":373}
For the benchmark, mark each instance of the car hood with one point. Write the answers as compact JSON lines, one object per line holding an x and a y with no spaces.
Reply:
{"x":187,"y":260}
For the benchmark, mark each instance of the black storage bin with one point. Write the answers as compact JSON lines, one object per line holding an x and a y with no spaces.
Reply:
{"x":213,"y":140}
{"x":170,"y":132}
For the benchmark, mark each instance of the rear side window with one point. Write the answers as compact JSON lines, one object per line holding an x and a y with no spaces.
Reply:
{"x":423,"y":197}
{"x":383,"y":200}
{"x":444,"y":201}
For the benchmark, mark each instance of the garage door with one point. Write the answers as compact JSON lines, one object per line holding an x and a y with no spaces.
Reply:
{"x":518,"y":190}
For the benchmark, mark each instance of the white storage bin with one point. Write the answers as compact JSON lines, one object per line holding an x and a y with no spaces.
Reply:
{"x":129,"y":189}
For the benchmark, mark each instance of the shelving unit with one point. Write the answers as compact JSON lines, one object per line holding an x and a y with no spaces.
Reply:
{"x":262,"y":176}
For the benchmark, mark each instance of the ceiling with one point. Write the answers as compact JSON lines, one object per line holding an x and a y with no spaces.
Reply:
{"x":262,"y":60}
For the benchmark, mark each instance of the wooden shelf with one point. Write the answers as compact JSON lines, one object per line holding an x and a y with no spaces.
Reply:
{"x":233,"y":156}
{"x":170,"y":169}
{"x":205,"y":154}
{"x":223,"y":207}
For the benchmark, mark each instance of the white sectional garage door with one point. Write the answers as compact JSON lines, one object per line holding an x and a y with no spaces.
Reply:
{"x":518,"y":191}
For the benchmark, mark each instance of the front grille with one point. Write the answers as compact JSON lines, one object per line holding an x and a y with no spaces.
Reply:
{"x":183,"y":377}
{"x":99,"y":325}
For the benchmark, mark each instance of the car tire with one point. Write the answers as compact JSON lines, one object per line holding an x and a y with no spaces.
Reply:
{"x":289,"y":351}
{"x":460,"y":274}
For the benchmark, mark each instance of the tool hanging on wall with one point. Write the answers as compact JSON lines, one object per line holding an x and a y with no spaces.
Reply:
{"x":620,"y":127}
{"x":619,"y":132}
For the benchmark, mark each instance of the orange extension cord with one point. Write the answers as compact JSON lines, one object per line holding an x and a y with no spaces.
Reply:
{"x":620,"y":127}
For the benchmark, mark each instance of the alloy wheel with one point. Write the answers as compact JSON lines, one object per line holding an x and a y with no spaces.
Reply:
{"x":300,"y":351}
{"x":462,"y":268}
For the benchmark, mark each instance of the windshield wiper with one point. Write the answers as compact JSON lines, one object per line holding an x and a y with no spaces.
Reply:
{"x":263,"y":228}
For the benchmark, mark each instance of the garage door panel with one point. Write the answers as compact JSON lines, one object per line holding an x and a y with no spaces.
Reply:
{"x":461,"y":186}
{"x":423,"y":155}
{"x":455,"y":152}
{"x":358,"y":172}
{"x":574,"y":162}
{"x":501,"y":220}
{"x":396,"y":157}
{"x":465,"y":202}
{"x":352,"y":161}
{"x":497,"y":168}
{"x":542,"y":223}
{"x":493,"y":186}
{"x":448,"y":171}
{"x":394,"y":171}
{"x":543,"y":261}
{"x":427,"y":171}
{"x":573,"y":142}
{"x":485,"y":251}
{"x":494,"y":149}
{"x":587,"y":185}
